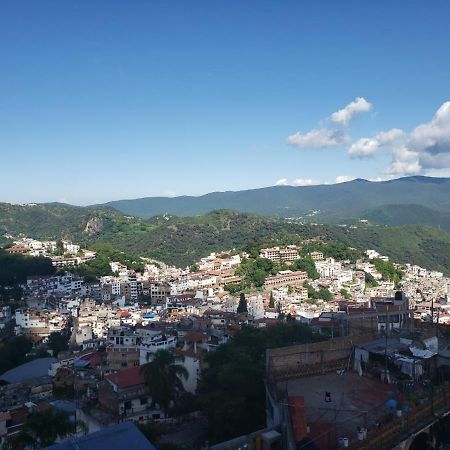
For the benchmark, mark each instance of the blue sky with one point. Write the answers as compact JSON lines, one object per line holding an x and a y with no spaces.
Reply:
{"x":103,"y":100}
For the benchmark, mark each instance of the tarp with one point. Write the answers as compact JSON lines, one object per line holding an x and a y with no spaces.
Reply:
{"x":419,"y":353}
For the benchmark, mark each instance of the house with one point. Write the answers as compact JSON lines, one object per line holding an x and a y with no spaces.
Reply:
{"x":125,"y":395}
{"x":277,"y":254}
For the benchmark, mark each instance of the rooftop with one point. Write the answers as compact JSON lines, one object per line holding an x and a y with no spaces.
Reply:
{"x":126,"y":378}
{"x":355,"y":401}
{"x":30,"y":370}
{"x":116,"y":437}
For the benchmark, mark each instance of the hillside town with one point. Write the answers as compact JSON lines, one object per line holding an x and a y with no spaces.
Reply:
{"x":381,"y":323}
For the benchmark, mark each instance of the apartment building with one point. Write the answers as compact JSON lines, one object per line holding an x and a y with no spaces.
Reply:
{"x":39,"y":323}
{"x":278,"y":254}
{"x":285,"y":278}
{"x":316,"y":256}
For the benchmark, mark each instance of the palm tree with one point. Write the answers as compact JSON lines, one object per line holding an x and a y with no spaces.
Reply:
{"x":163,"y":377}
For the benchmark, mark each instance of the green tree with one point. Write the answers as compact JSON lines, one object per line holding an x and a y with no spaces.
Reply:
{"x":322,"y":294}
{"x":163,"y":377}
{"x":345,"y":294}
{"x":59,"y":248}
{"x":231,"y":390}
{"x":43,"y":428}
{"x":307,"y":265}
{"x":242,"y":307}
{"x":57,"y":342}
{"x":370,"y":280}
{"x":13,"y":352}
{"x":271,"y":300}
{"x":388,"y":271}
{"x":325,"y":295}
{"x":16,"y":268}
{"x":194,"y":268}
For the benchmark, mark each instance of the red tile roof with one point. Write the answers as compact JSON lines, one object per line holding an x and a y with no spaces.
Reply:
{"x":95,"y":359}
{"x":195,"y":336}
{"x":127,"y":378}
{"x":42,"y":406}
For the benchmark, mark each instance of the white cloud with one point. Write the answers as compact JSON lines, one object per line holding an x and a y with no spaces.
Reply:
{"x":363,"y":148}
{"x":170,"y":194}
{"x":296,"y":182}
{"x":404,"y":168}
{"x":304,"y":182}
{"x":388,"y":137}
{"x":404,"y":162}
{"x":318,"y":138}
{"x":344,"y":178}
{"x":346,"y":114}
{"x":367,"y":147}
{"x":427,"y":147}
{"x":432,"y":140}
{"x":311,"y":182}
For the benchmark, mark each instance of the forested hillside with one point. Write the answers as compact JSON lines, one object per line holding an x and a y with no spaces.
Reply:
{"x":181,"y":241}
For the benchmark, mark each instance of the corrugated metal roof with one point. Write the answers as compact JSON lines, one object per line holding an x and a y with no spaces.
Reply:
{"x":116,"y":437}
{"x":33,"y":369}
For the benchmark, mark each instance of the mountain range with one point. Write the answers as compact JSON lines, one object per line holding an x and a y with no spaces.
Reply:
{"x":423,"y":200}
{"x":407,"y":219}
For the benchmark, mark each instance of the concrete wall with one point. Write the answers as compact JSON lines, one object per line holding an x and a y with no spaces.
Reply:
{"x":301,"y":359}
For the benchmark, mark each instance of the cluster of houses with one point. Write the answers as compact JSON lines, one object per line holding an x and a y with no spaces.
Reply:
{"x":72,"y":254}
{"x":118,"y":323}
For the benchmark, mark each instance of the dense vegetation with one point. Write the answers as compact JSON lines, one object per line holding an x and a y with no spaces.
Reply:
{"x":181,"y":241}
{"x":307,"y":265}
{"x":13,"y":352}
{"x":44,"y":428}
{"x":14,"y":270}
{"x":409,"y":214}
{"x":321,"y":294}
{"x":388,"y":271}
{"x":100,"y":265}
{"x":237,"y":408}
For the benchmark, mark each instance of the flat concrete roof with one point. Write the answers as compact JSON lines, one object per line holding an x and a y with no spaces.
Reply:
{"x":355,"y":402}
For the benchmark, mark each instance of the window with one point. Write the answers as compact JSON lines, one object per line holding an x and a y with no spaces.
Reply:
{"x":144,"y":400}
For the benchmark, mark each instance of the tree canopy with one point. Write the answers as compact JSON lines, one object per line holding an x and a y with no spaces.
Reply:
{"x":231,"y":390}
{"x":43,"y":428}
{"x":16,"y":268}
{"x":242,"y":307}
{"x":57,"y":342}
{"x":163,"y":377}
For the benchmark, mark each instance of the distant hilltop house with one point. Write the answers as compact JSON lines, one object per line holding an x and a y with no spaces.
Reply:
{"x":73,"y":254}
{"x":316,"y":256}
{"x":62,"y":261}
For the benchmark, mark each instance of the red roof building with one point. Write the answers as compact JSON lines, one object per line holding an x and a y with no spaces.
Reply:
{"x":126,"y":378}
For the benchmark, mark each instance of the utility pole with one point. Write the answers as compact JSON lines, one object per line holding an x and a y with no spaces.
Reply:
{"x":386,"y":344}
